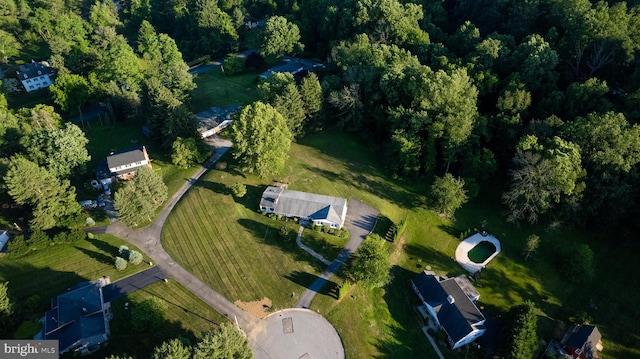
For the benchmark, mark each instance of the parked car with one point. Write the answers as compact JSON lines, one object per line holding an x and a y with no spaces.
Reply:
{"x":88,"y":203}
{"x":101,"y":202}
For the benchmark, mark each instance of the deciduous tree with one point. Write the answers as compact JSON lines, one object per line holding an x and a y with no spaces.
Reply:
{"x":225,"y":342}
{"x":70,"y":91}
{"x":448,"y":194}
{"x":187,"y":152}
{"x":9,"y":46}
{"x":261,"y":139}
{"x":280,"y":37}
{"x":61,"y":151}
{"x":371,"y":263}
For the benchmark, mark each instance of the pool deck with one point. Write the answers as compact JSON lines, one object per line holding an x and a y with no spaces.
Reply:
{"x":462,"y":251}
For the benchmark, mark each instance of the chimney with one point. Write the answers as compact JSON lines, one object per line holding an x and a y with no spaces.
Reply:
{"x":450,"y":299}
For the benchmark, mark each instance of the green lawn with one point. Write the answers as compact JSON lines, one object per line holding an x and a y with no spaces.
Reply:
{"x":215,"y":89}
{"x":186,"y":316}
{"x":50,"y":272}
{"x":327,"y":245}
{"x":237,"y":251}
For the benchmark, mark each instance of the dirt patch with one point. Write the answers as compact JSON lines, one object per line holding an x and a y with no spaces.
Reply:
{"x":399,"y":245}
{"x":258,"y":308}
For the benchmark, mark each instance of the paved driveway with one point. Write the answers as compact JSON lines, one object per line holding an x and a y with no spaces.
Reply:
{"x":360,"y":221}
{"x":132,"y":283}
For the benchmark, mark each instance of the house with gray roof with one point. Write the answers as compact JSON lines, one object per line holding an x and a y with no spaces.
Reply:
{"x":450,"y":302}
{"x":321,"y":210}
{"x":582,"y":342}
{"x":35,"y":75}
{"x":79,"y":319}
{"x":122,"y":165}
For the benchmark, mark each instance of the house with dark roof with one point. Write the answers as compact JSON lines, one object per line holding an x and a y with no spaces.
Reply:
{"x":293,"y":66}
{"x":321,"y":210}
{"x":583,"y":342}
{"x":450,"y":302}
{"x":122,"y":165}
{"x":35,"y":75}
{"x":79,"y":318}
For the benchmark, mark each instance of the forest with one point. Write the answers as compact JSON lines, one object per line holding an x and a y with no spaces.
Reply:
{"x":539,"y":95}
{"x":538,"y":99}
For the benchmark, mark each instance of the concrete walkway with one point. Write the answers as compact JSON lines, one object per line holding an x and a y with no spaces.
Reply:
{"x":361,"y":219}
{"x":433,"y":342}
{"x":309,"y":250}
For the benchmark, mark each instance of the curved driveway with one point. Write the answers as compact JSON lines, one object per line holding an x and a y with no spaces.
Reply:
{"x":314,"y":335}
{"x":361,"y":219}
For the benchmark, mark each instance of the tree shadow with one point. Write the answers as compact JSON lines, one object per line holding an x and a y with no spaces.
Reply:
{"x":269,"y":232}
{"x":31,"y":289}
{"x":103,"y":246}
{"x":329,"y":288}
{"x":100,"y":257}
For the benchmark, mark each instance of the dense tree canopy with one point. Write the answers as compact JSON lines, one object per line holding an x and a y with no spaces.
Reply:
{"x":370,"y":265}
{"x":52,"y":199}
{"x":136,"y":201}
{"x":261,"y":139}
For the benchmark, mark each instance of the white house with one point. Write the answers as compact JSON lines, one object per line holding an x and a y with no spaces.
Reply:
{"x":35,"y":76}
{"x":122,"y":165}
{"x":450,"y":302}
{"x":321,"y":210}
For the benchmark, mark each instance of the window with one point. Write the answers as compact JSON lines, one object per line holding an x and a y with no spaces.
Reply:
{"x":138,"y":163}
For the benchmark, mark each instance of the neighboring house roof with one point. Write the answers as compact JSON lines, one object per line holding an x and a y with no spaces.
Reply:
{"x":76,"y":316}
{"x":583,"y":337}
{"x":126,"y":157}
{"x":291,"y":65}
{"x":34,"y":69}
{"x":4,"y":238}
{"x":215,"y":118}
{"x":304,"y":205}
{"x":456,"y":313}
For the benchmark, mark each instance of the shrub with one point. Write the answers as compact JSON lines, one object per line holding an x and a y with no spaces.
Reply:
{"x":284,"y":232}
{"x":221,"y":165}
{"x":17,"y":246}
{"x":533,"y":241}
{"x":343,"y":233}
{"x":90,"y":222}
{"x":135,"y":257}
{"x":233,"y":65}
{"x":239,"y":190}
{"x":121,"y":263}
{"x":123,"y":251}
{"x":38,"y":240}
{"x":90,"y":235}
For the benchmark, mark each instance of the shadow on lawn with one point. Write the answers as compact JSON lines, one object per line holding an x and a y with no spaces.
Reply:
{"x":408,"y":339}
{"x":100,"y":257}
{"x":104,"y":246}
{"x":125,"y":342}
{"x":304,"y":279}
{"x":269,"y":232}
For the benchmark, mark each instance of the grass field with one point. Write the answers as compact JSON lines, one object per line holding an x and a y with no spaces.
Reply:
{"x":225,"y":242}
{"x":215,"y":89}
{"x":52,"y":271}
{"x":186,"y":316}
